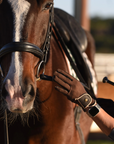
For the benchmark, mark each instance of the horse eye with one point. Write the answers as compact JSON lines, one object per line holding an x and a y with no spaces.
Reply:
{"x":47,"y":6}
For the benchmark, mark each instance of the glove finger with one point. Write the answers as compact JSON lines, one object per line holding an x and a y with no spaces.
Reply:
{"x":65,"y":74}
{"x":63,"y":77}
{"x":61,"y":90}
{"x":62,"y":83}
{"x":65,"y":92}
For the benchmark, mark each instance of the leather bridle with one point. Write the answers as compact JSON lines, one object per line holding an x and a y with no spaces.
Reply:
{"x":31,"y":48}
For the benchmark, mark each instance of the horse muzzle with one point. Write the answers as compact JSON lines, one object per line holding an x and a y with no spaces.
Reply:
{"x":19,"y":96}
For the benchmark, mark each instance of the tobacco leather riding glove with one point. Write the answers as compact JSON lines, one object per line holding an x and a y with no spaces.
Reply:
{"x":72,"y":88}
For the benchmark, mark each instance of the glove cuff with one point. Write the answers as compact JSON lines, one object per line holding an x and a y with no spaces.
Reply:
{"x":84,"y":100}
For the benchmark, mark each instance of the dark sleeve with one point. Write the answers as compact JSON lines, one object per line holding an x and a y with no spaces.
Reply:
{"x":107,"y":105}
{"x":112,"y":135}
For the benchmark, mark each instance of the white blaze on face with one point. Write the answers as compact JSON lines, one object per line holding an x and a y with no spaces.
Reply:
{"x":20,"y":10}
{"x":14,"y":74}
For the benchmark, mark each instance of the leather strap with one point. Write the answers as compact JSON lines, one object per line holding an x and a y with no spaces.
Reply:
{"x":6,"y":128}
{"x":77,"y":115}
{"x":21,"y":46}
{"x":46,"y":46}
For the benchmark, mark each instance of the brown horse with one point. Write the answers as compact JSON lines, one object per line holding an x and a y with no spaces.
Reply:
{"x":37,"y":113}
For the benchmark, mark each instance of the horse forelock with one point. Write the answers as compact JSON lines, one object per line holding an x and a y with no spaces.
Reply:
{"x":20,"y":10}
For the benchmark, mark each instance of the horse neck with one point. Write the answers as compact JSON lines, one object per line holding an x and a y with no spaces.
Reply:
{"x":54,"y":100}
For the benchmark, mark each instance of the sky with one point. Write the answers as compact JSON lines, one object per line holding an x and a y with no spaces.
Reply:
{"x":101,"y":8}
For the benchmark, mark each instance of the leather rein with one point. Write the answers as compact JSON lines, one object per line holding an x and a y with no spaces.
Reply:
{"x":31,"y":48}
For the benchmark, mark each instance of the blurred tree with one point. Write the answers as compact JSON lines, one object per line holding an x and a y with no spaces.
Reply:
{"x":81,"y":13}
{"x":103,"y":33}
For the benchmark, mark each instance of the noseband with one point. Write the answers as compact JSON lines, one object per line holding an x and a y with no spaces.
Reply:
{"x":21,"y":46}
{"x":31,"y":48}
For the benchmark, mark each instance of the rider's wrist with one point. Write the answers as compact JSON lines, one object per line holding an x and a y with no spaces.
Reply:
{"x":111,"y":135}
{"x":85,"y":100}
{"x":93,"y":110}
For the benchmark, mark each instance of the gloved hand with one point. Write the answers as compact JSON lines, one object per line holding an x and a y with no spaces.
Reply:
{"x":72,"y":88}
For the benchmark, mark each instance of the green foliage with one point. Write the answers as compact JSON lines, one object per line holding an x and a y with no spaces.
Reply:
{"x":103,"y":33}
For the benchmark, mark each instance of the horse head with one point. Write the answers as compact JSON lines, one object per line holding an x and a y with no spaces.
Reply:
{"x":24,"y":25}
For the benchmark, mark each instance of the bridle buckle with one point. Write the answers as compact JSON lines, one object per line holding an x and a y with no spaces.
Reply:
{"x":38,"y":70}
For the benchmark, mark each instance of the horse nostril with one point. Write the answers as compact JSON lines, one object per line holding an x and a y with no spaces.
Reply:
{"x":29,"y":91}
{"x":32,"y":92}
{"x":29,"y":94}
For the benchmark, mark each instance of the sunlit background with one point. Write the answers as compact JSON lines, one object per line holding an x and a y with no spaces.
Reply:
{"x":101,"y":8}
{"x":96,"y":16}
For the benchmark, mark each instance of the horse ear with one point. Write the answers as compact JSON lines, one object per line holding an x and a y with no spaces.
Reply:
{"x":0,"y":1}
